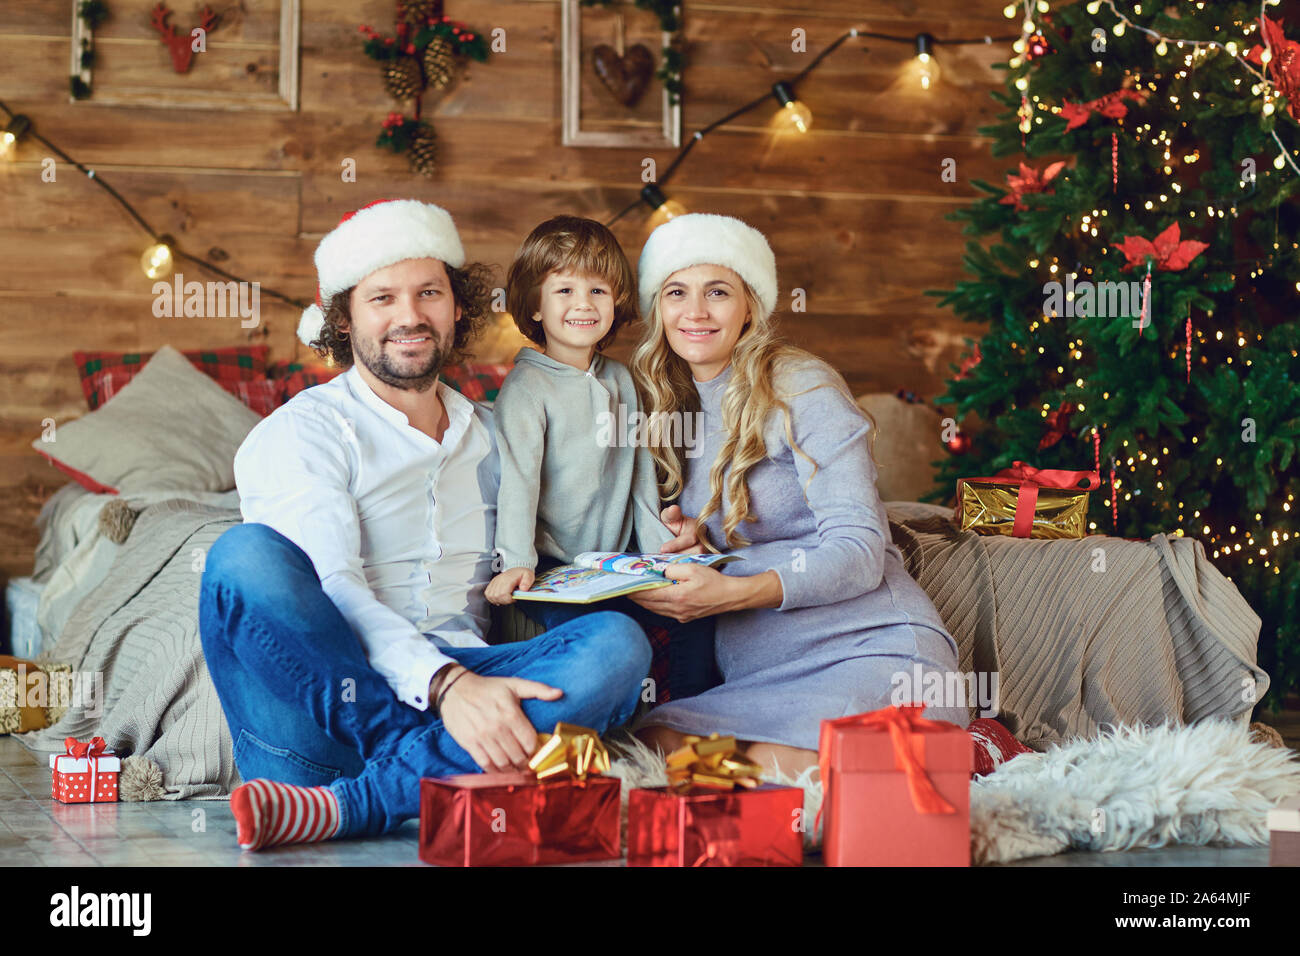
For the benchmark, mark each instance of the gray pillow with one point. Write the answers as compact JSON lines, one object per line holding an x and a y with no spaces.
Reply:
{"x":170,"y":428}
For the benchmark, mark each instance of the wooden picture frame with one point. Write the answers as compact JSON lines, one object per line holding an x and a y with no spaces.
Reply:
{"x":166,"y":95}
{"x":636,"y":133}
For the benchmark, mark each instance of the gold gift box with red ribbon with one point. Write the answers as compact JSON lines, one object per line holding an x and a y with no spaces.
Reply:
{"x":1027,"y":502}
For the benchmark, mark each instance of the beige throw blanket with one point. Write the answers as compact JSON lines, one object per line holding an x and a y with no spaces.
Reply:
{"x":1159,"y":635}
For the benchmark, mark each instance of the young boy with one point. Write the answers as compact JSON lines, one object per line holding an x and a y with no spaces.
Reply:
{"x":569,"y":482}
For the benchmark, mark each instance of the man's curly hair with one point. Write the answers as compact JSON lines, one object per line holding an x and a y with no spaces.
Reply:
{"x":471,"y":289}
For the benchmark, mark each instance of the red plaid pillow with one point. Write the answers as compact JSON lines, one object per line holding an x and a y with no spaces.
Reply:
{"x":660,"y":661}
{"x":239,"y":369}
{"x":476,"y":381}
{"x":290,"y":378}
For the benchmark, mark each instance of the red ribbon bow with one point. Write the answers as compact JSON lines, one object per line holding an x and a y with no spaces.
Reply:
{"x":902,"y":722}
{"x":91,"y":748}
{"x":1030,"y":480}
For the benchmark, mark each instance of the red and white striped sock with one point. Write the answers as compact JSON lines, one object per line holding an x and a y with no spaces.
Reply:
{"x":271,"y":814}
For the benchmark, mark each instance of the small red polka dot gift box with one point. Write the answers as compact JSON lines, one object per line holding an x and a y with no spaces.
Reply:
{"x":714,"y":812}
{"x":87,"y":773}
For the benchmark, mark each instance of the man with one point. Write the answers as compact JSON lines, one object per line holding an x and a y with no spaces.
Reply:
{"x":343,"y":622}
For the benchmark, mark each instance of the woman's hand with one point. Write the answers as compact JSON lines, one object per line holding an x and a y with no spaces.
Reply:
{"x":501,"y":589}
{"x":687,"y":540}
{"x":699,"y":592}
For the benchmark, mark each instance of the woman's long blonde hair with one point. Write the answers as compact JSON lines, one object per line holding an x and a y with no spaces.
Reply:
{"x":760,"y":363}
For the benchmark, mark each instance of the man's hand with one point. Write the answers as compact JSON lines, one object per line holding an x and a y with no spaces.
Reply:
{"x":483,"y":715}
{"x":687,"y":540}
{"x":501,"y":589}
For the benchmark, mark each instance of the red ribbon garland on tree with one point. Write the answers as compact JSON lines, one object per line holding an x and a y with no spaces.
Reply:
{"x":1114,"y":161}
{"x":1146,"y":299}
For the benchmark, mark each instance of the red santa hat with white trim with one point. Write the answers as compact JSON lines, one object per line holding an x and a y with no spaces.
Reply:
{"x":373,"y":237}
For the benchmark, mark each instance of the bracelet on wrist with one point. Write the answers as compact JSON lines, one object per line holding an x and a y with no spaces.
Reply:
{"x":446,"y":686}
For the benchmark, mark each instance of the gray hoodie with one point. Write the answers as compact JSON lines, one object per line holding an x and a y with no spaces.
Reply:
{"x":569,"y":481}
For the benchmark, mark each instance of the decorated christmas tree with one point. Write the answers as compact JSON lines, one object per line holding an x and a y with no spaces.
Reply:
{"x":1139,"y":277}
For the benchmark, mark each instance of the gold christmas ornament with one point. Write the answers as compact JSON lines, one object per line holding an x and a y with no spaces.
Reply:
{"x":418,"y":12}
{"x":424,"y":152}
{"x":439,"y":63}
{"x":402,"y":77}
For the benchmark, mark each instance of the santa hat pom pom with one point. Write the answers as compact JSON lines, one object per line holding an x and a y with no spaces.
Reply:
{"x":310,"y":325}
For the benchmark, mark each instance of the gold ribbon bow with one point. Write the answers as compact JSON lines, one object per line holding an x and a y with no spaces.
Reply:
{"x":571,"y":750}
{"x":711,"y":762}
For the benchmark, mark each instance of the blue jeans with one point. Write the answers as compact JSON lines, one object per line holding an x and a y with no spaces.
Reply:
{"x":304,"y":706}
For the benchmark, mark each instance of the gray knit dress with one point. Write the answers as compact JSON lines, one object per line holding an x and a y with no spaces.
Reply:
{"x":852,"y":619}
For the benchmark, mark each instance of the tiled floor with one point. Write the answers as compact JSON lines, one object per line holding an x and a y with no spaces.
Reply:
{"x":38,"y":831}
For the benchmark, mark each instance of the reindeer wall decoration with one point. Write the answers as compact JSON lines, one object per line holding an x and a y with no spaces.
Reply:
{"x":182,"y":46}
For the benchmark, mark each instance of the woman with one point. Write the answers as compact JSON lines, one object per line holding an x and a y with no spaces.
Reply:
{"x":820,"y":620}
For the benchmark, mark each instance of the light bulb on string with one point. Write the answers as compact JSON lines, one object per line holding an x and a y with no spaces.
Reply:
{"x":157,"y":259}
{"x":793,"y":114}
{"x":664,"y":208}
{"x":927,"y":65}
{"x":12,"y":134}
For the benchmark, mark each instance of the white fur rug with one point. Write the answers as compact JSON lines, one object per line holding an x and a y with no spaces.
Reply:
{"x":1137,"y":787}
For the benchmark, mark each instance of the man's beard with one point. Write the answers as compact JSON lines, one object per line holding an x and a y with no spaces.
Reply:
{"x":419,"y":377}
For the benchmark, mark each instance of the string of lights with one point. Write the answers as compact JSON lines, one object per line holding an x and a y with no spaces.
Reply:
{"x":158,"y":259}
{"x":793,"y":114}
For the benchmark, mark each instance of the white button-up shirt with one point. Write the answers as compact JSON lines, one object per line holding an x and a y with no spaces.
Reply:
{"x":398,"y":526}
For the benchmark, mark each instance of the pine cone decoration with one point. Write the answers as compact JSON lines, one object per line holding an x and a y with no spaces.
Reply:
{"x":424,"y":152}
{"x":418,"y":12}
{"x":402,"y":77}
{"x":439,"y":62}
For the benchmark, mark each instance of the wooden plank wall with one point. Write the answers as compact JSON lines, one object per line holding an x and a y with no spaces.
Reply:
{"x":855,"y":210}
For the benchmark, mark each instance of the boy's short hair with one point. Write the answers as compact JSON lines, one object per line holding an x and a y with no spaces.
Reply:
{"x":569,"y":244}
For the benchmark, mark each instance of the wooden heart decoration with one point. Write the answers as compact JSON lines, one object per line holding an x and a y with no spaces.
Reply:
{"x":626,"y":76}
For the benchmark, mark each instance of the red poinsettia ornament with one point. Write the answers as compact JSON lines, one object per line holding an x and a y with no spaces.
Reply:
{"x":1284,"y":64}
{"x":1058,"y":423}
{"x":1170,"y":251}
{"x":1111,"y":106}
{"x":969,"y":362}
{"x":1030,"y":180}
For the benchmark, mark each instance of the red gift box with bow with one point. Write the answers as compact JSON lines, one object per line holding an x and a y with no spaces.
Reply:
{"x":514,"y":819}
{"x":85,"y":773}
{"x":705,"y":826}
{"x":896,"y":790}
